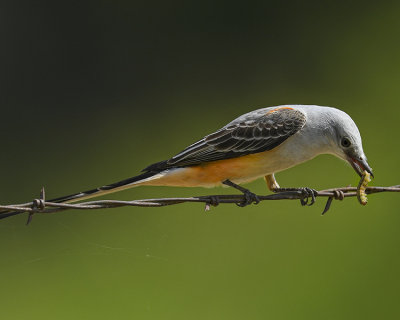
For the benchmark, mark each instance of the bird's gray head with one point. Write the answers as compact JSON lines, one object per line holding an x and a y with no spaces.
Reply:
{"x":343,"y":137}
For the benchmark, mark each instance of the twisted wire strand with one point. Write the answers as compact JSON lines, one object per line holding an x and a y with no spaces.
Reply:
{"x":42,"y":206}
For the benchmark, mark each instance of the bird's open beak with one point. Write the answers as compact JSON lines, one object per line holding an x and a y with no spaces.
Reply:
{"x":360,"y":165}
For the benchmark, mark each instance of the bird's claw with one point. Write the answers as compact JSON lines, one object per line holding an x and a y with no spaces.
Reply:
{"x":250,"y":198}
{"x":308,"y":193}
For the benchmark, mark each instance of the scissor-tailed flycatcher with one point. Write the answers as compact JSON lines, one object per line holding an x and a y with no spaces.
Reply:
{"x":256,"y":144}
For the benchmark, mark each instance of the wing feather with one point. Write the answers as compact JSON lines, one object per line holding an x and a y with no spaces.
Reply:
{"x":254,"y":132}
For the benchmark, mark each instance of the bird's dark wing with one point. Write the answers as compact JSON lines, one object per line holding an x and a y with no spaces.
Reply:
{"x":257,"y":131}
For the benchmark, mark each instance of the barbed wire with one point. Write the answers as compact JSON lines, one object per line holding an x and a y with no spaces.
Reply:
{"x":40,"y":205}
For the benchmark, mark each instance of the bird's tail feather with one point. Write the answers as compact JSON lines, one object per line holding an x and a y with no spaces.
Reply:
{"x":110,"y":188}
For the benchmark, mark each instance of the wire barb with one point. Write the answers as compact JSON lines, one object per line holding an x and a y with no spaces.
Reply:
{"x":38,"y":205}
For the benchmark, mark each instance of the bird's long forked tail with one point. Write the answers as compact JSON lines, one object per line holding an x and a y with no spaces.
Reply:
{"x":110,"y":188}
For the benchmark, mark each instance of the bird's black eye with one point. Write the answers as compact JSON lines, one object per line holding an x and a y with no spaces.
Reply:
{"x":346,"y":142}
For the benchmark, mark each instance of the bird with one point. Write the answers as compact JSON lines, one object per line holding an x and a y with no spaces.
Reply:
{"x":255,"y":145}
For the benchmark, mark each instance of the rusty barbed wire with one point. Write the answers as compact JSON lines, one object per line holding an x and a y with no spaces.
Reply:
{"x":42,"y":206}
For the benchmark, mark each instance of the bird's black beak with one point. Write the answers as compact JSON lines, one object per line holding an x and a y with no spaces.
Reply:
{"x":360,"y":165}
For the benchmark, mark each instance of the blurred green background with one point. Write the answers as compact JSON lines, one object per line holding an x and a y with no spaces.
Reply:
{"x":93,"y":91}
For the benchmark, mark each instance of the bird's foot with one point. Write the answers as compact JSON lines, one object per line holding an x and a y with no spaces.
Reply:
{"x":249,"y":197}
{"x":307,"y":193}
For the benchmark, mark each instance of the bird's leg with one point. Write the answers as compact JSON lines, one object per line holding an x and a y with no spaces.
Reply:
{"x":250,"y":197}
{"x":271,"y":182}
{"x":306,"y":192}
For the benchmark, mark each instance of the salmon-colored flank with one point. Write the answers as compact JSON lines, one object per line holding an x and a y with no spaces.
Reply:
{"x":280,"y":108}
{"x":213,"y":173}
